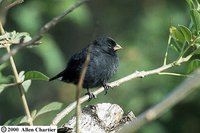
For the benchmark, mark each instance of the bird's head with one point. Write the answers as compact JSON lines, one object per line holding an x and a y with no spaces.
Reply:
{"x":107,"y":44}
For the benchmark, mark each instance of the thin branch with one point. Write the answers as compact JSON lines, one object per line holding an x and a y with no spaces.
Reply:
{"x":173,"y":74}
{"x":21,"y":89}
{"x":166,"y":53}
{"x":179,"y":93}
{"x":1,"y":29}
{"x":3,"y":86}
{"x":78,"y":90}
{"x":13,"y":4}
{"x":18,"y":80}
{"x":43,"y":30}
{"x":134,"y":75}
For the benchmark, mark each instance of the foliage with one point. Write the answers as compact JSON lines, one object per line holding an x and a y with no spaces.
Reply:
{"x":142,"y":34}
{"x":186,"y":40}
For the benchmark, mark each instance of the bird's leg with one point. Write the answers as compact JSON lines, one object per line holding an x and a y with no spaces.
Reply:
{"x":90,"y":94}
{"x":106,"y":87}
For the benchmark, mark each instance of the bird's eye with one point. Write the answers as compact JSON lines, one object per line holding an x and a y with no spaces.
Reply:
{"x":111,"y":43}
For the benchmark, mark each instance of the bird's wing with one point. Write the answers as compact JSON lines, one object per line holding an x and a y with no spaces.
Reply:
{"x":77,"y":60}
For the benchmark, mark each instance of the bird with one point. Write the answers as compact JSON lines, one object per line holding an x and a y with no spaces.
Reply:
{"x":101,"y":67}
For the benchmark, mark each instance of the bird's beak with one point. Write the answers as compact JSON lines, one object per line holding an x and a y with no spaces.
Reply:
{"x":117,"y":47}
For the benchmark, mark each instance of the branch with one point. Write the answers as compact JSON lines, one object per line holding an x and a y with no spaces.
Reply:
{"x":178,"y":94}
{"x":21,"y":89}
{"x":43,"y":30}
{"x":78,"y":90}
{"x":18,"y":80}
{"x":13,"y":4}
{"x":134,"y":75}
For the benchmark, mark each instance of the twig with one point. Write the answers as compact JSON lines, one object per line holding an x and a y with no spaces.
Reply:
{"x":18,"y":80}
{"x":134,"y":75}
{"x":1,"y":29}
{"x":43,"y":30}
{"x":9,"y":85}
{"x":173,"y":74}
{"x":178,"y":94}
{"x":21,"y":89}
{"x":13,"y":4}
{"x":78,"y":90}
{"x":166,"y":53}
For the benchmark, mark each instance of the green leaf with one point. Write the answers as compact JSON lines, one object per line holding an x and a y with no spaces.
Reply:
{"x":21,"y":37}
{"x":197,"y":40}
{"x":16,"y":37}
{"x":194,"y":64}
{"x":3,"y":86}
{"x":49,"y":107}
{"x":33,"y":114}
{"x":21,"y":76}
{"x":196,"y":19}
{"x":174,"y":46}
{"x":191,"y":4}
{"x":35,"y":75}
{"x":186,"y":32}
{"x":20,"y":120}
{"x":176,"y":35}
{"x":26,"y":84}
{"x":197,"y":44}
{"x":14,"y":122}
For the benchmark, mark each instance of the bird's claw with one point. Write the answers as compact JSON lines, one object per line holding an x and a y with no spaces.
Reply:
{"x":106,"y":87}
{"x":91,"y":95}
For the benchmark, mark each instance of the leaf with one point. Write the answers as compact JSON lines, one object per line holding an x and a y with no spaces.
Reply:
{"x":197,"y":40}
{"x":174,"y":46}
{"x":49,"y":107}
{"x":196,"y":19}
{"x":3,"y":86}
{"x":191,"y":4}
{"x":35,"y":75}
{"x":33,"y":114}
{"x":16,"y":37}
{"x":20,"y":120}
{"x":176,"y":35}
{"x":186,"y":33}
{"x":21,"y":37}
{"x":14,"y":122}
{"x":21,"y":76}
{"x":26,"y":84}
{"x":197,"y":45}
{"x":194,"y":64}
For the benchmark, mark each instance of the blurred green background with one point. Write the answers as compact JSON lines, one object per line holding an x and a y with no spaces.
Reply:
{"x":141,"y":27}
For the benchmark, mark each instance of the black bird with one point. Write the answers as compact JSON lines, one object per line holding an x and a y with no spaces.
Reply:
{"x":102,"y":65}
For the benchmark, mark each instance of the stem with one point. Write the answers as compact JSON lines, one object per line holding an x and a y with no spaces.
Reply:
{"x":14,"y":4}
{"x":178,"y":94}
{"x":18,"y":81}
{"x":43,"y":30}
{"x":79,"y":86}
{"x":21,"y":89}
{"x":166,"y":54}
{"x":173,"y":74}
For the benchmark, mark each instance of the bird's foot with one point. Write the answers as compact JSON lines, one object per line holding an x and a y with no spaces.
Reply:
{"x":106,"y":87}
{"x":91,"y":95}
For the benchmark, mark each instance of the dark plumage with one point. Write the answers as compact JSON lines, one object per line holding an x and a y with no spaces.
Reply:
{"x":102,"y":65}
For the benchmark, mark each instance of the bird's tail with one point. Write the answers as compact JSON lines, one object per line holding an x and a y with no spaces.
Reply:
{"x":58,"y":76}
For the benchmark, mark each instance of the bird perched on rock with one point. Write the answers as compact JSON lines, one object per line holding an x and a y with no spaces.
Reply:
{"x":102,"y":65}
